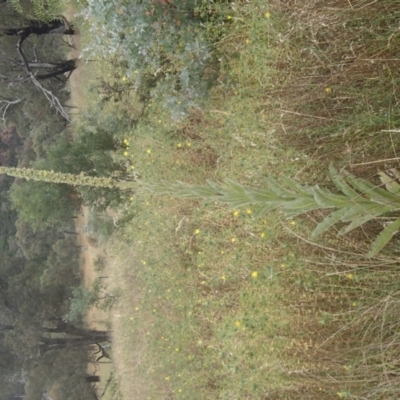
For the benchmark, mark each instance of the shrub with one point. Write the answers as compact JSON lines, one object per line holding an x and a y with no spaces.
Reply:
{"x":161,"y":39}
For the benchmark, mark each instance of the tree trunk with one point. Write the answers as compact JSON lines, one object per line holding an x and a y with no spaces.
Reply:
{"x":35,"y":27}
{"x":80,"y":337}
{"x":47,"y":343}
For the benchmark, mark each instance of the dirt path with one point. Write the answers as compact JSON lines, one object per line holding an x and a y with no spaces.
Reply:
{"x":90,"y":251}
{"x":95,"y":318}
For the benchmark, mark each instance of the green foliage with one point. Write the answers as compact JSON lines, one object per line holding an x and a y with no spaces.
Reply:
{"x":35,"y":244}
{"x":101,"y":225}
{"x":161,"y":39}
{"x":66,"y":370}
{"x":43,"y":205}
{"x":90,"y":154}
{"x":45,"y":10}
{"x":81,"y":301}
{"x":99,"y":264}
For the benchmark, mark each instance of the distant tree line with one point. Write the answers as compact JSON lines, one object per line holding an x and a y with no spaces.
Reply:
{"x":39,"y":265}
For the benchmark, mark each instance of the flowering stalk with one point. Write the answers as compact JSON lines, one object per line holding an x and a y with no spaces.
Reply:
{"x":58,"y":177}
{"x":359,"y":202}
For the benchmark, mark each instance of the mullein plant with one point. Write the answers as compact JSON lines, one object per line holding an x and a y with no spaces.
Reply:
{"x":359,"y":201}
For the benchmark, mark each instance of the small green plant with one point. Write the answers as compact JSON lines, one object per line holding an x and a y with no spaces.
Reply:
{"x":99,"y":264}
{"x":81,"y":301}
{"x":360,"y":201}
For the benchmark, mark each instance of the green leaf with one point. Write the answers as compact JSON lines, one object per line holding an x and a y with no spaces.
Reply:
{"x":367,"y":208}
{"x":263,"y":195}
{"x":391,"y":184}
{"x":302,"y":190}
{"x":328,"y":221}
{"x":278,"y":189}
{"x":264,"y":209}
{"x":342,"y":184}
{"x":327,"y":199}
{"x":384,"y":237}
{"x":356,"y":222}
{"x":373,"y":192}
{"x":299,"y":206}
{"x":363,"y":186}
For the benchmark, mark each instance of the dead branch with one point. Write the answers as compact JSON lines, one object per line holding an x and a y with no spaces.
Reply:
{"x":52,"y":99}
{"x":4,"y":108}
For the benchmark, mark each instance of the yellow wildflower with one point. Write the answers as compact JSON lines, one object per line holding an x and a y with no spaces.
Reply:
{"x":197,"y":231}
{"x":267,"y":15}
{"x":254,"y":274}
{"x":125,"y":153}
{"x":236,"y":213}
{"x":233,"y":240}
{"x":350,"y":276}
{"x":179,"y":145}
{"x":148,"y":151}
{"x":262,"y":234}
{"x":328,"y":90}
{"x":238,"y":324}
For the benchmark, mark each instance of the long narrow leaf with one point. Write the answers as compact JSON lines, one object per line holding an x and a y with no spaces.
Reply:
{"x":326,"y":199}
{"x":373,"y":192}
{"x":278,"y":189}
{"x":299,"y":206}
{"x":328,"y":221}
{"x":384,"y":237}
{"x":300,"y":189}
{"x":368,"y":208}
{"x":266,"y":208}
{"x":342,"y":185}
{"x":356,"y":222}
{"x":390,"y":183}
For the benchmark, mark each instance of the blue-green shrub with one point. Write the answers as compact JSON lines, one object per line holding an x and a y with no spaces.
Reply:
{"x":157,"y":38}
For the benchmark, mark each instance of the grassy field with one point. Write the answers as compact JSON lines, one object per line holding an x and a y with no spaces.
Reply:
{"x":217,"y":304}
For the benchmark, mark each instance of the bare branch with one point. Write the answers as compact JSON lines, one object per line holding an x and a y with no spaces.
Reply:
{"x":4,"y":108}
{"x":52,"y":99}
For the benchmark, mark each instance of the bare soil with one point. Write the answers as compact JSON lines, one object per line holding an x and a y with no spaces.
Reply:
{"x":95,"y":318}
